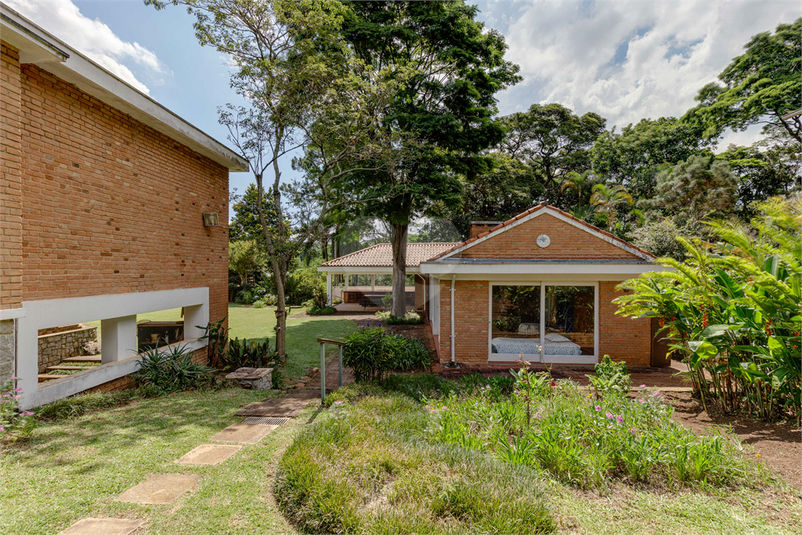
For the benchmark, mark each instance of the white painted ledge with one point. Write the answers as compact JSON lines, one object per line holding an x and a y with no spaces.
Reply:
{"x":12,"y":313}
{"x":73,"y":384}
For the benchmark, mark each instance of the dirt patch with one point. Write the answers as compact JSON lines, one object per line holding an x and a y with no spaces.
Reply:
{"x":778,"y":444}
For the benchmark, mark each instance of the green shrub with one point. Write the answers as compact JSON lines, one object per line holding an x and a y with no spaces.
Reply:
{"x":314,"y":310}
{"x":732,"y":311}
{"x":244,"y":297}
{"x":302,"y":284}
{"x":172,"y":369}
{"x":371,"y":353}
{"x":411,"y":318}
{"x":610,"y":378}
{"x":508,"y":324}
{"x":248,"y":354}
{"x":259,"y":304}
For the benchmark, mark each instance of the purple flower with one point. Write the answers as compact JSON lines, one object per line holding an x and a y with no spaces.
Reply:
{"x":26,"y":413}
{"x":641,"y":401}
{"x":444,"y":408}
{"x":608,"y":415}
{"x":18,"y":389}
{"x":2,"y":428}
{"x":17,"y":396}
{"x":598,"y":409}
{"x":338,"y":402}
{"x":632,"y":430}
{"x":487,"y":387}
{"x":15,"y":378}
{"x":642,"y":386}
{"x":620,"y":419}
{"x":657,"y":394}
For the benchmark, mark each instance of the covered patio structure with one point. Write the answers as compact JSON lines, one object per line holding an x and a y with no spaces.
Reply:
{"x":362,"y":278}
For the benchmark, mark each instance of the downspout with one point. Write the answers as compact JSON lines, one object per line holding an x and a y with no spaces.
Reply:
{"x":453,"y":335}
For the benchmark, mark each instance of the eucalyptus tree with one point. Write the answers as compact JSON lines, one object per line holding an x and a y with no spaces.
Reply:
{"x":304,"y":91}
{"x":448,"y":68}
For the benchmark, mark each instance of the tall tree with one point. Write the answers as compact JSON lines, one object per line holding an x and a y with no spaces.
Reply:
{"x":758,"y":87}
{"x":441,"y":117}
{"x":304,"y":91}
{"x":553,"y":141}
{"x":697,"y":189}
{"x":634,"y":157}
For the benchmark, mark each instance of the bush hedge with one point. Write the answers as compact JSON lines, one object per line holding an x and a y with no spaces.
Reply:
{"x":371,"y":352}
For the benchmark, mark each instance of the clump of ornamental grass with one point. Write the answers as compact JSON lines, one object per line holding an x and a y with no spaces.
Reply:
{"x":14,"y":424}
{"x":362,"y":468}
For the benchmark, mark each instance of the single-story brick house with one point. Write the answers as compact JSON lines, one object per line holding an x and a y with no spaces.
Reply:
{"x":539,"y":287}
{"x":104,"y":193}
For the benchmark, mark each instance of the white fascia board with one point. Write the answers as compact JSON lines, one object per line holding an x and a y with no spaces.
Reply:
{"x":561,"y":217}
{"x":39,"y":47}
{"x":627,"y":270}
{"x":32,"y":45}
{"x":12,"y":313}
{"x":364,"y":270}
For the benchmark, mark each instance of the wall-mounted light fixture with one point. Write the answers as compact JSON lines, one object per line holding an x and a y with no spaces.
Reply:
{"x":210,"y":219}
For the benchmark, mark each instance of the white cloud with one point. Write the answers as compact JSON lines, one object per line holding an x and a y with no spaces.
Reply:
{"x":91,"y":37}
{"x":566,"y":51}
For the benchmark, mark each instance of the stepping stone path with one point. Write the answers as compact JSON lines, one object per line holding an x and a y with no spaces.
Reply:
{"x":209,"y":454}
{"x":287,"y":406}
{"x":159,"y":489}
{"x":243,"y":433}
{"x":104,"y":526}
{"x":261,"y":418}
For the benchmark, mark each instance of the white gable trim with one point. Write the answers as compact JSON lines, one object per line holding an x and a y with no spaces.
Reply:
{"x":561,"y":217}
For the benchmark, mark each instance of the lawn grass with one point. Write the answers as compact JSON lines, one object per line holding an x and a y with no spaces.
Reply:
{"x":303,"y":351}
{"x":75,"y":468}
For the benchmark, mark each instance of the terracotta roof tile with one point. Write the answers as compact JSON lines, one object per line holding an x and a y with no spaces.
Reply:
{"x":381,"y":255}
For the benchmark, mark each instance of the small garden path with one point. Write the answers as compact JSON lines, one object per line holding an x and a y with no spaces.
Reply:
{"x":260,"y":419}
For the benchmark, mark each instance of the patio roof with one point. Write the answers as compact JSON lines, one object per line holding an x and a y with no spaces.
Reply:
{"x":381,"y":256}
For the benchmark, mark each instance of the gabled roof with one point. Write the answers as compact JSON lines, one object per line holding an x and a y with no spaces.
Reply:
{"x":39,"y":47}
{"x":381,"y":255}
{"x":538,"y":210}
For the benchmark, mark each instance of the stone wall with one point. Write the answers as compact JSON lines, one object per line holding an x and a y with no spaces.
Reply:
{"x":53,"y":348}
{"x":6,"y":351}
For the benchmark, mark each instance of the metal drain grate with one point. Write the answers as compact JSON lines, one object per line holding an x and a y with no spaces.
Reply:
{"x":253,"y":420}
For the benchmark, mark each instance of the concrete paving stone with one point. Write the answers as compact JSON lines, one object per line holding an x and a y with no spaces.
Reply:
{"x":159,"y":489}
{"x":243,"y":433}
{"x":103,"y":526}
{"x":209,"y":454}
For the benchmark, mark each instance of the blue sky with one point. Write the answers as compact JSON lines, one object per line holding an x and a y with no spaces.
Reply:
{"x":625,"y":60}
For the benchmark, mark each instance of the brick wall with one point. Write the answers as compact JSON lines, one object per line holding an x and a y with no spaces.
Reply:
{"x":620,"y":337}
{"x":470,"y":319}
{"x":10,"y":180}
{"x":111,"y":205}
{"x":567,"y":242}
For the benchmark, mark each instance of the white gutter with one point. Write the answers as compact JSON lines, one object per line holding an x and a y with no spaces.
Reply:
{"x":453,"y":335}
{"x":503,"y":268}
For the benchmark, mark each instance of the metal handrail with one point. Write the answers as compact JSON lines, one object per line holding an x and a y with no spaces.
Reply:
{"x":323,"y":342}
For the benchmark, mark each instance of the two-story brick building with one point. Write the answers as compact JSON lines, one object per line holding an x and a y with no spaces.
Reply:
{"x":103,"y":194}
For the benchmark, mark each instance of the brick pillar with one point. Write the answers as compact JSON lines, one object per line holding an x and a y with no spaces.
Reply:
{"x":10,"y":180}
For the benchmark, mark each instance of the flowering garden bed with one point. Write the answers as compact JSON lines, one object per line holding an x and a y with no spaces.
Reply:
{"x":486,"y":455}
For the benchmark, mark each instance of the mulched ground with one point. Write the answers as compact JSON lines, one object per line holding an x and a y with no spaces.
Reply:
{"x":778,"y":444}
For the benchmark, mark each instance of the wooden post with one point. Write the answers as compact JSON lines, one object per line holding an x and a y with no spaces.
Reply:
{"x":341,"y":365}
{"x":322,"y":373}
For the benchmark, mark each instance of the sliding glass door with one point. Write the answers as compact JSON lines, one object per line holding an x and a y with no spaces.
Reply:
{"x":542,"y":322}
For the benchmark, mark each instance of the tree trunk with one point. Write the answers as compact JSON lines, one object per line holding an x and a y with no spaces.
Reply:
{"x":324,"y":246}
{"x":281,"y":307}
{"x":399,"y":240}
